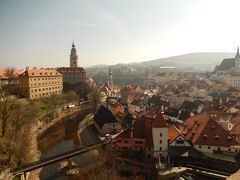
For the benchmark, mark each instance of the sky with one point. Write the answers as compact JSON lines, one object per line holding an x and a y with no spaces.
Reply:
{"x":37,"y":33}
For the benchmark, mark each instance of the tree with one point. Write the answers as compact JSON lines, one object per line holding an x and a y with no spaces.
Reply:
{"x":107,"y":165}
{"x":16,"y":124}
{"x":10,"y":73}
{"x":5,"y":110}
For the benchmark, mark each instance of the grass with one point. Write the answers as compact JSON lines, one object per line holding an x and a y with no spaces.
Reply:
{"x":36,"y":109}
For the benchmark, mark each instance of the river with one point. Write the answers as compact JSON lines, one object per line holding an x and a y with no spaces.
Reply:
{"x":64,"y":136}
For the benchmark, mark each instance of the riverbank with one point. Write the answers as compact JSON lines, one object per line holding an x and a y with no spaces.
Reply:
{"x":40,"y":129}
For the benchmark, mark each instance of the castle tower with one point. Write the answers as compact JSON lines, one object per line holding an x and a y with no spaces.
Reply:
{"x":73,"y":57}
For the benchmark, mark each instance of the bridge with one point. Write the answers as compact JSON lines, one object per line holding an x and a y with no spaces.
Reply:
{"x":44,"y":162}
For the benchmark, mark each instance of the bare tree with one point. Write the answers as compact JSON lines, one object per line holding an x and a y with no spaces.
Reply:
{"x":16,"y":124}
{"x":5,"y":110}
{"x":10,"y":73}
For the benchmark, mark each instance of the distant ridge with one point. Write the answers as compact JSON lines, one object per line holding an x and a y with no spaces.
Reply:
{"x":200,"y":61}
{"x":97,"y":66}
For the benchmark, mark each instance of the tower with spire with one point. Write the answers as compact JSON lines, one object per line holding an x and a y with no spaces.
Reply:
{"x":73,"y":74}
{"x":73,"y":57}
{"x":237,"y":61}
{"x":110,"y":79}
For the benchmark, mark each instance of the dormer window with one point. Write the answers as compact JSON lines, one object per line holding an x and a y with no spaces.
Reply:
{"x":229,"y":138}
{"x":213,"y":127}
{"x":216,"y":137}
{"x":32,"y":73}
{"x":205,"y":136}
{"x":40,"y":73}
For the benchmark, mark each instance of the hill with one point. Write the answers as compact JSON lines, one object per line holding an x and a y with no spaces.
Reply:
{"x":199,"y":61}
{"x":203,"y":61}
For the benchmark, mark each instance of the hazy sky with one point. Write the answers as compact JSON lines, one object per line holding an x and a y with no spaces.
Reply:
{"x":40,"y":32}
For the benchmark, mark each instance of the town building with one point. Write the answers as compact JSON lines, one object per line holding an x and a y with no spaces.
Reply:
{"x":129,"y":93}
{"x":228,"y":71}
{"x":162,"y":78}
{"x":148,"y":134}
{"x":208,"y":137}
{"x":40,"y":83}
{"x":175,"y":138}
{"x":73,"y":74}
{"x":105,"y":122}
{"x":8,"y":76}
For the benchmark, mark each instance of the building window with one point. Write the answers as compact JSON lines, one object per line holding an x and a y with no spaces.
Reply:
{"x":180,"y":141}
{"x":209,"y":147}
{"x":200,"y":146}
{"x":160,"y":142}
{"x":229,"y":150}
{"x":138,"y":142}
{"x":160,"y":134}
{"x":160,"y":149}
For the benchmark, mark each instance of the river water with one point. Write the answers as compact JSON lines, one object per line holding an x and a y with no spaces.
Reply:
{"x":63,"y":137}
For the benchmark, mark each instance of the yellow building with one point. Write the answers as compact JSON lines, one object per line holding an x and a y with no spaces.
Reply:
{"x":35,"y":84}
{"x":162,"y":78}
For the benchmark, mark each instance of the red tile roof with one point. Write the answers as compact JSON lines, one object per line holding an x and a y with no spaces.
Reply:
{"x":203,"y":130}
{"x":173,"y":133}
{"x":148,"y":131}
{"x":120,"y":116}
{"x":142,"y":128}
{"x":236,"y":130}
{"x":137,"y":128}
{"x":3,"y":74}
{"x":40,"y":72}
{"x":159,"y":121}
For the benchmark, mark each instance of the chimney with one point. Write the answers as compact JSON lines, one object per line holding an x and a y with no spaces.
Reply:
{"x":131,"y":135}
{"x":227,"y":100}
{"x":220,"y":101}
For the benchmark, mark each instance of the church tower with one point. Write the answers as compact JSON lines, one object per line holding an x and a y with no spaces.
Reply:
{"x":237,"y":60}
{"x":110,"y":79}
{"x":73,"y":57}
